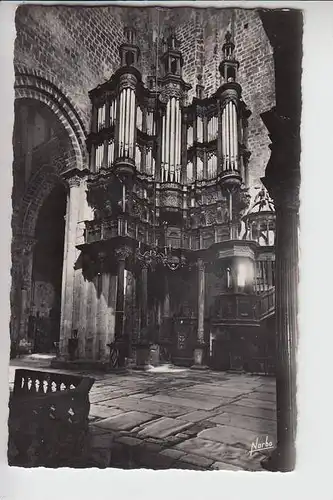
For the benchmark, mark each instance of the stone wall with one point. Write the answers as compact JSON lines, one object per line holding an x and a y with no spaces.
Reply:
{"x":77,"y":48}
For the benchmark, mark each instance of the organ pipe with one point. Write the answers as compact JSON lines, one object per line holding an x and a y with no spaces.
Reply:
{"x":224,"y":152}
{"x":121,"y":123}
{"x":171,"y":141}
{"x":190,"y":171}
{"x":139,"y":118}
{"x":150,"y":123}
{"x":199,"y":129}
{"x":179,"y":135}
{"x":163,"y":140}
{"x":132,"y":121}
{"x":190,"y":137}
{"x":128,"y":119}
{"x":127,"y":112}
{"x":101,"y":117}
{"x":235,"y":136}
{"x":127,"y":122}
{"x":232,"y":145}
{"x":199,"y":168}
{"x":110,"y":153}
{"x":99,"y":156}
{"x":123,"y":111}
{"x":167,"y":136}
{"x":138,"y":158}
{"x":172,"y":136}
{"x":148,"y":166}
{"x":227,"y":137}
{"x":177,"y":138}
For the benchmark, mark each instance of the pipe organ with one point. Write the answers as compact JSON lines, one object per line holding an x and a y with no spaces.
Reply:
{"x":170,"y":163}
{"x":154,"y":133}
{"x":181,"y":165}
{"x":167,"y":188}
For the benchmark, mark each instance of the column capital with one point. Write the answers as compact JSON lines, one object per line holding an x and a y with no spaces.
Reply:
{"x":284,"y":191}
{"x":122,"y":253}
{"x":74,"y":181}
{"x":201,"y":264}
{"x":282,"y":175}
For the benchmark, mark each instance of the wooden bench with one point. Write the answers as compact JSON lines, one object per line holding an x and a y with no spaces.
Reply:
{"x":48,"y":419}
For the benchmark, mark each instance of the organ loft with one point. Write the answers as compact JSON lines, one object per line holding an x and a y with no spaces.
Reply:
{"x":167,"y":257}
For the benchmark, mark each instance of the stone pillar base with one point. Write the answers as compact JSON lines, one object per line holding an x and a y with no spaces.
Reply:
{"x":141,"y":357}
{"x":282,"y":459}
{"x":199,"y":367}
{"x":199,"y":359}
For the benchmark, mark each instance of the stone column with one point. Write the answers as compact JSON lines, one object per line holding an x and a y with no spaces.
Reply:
{"x":286,"y":290}
{"x":282,"y":181}
{"x":121,"y":254}
{"x":166,"y":305}
{"x":200,"y":349}
{"x":102,"y":306}
{"x":144,"y":295}
{"x":142,"y":346}
{"x":68,"y":264}
{"x":26,"y":246}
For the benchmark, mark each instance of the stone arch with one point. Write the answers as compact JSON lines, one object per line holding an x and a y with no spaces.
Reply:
{"x":50,"y":172}
{"x":40,"y":186}
{"x":33,"y":86}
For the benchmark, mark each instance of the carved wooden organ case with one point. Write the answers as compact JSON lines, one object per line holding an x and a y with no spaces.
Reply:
{"x":165,"y":172}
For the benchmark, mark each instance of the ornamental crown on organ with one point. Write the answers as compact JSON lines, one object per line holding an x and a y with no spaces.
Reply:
{"x":191,"y":158}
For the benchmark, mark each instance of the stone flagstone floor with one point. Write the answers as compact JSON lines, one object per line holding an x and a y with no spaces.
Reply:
{"x":180,"y":418}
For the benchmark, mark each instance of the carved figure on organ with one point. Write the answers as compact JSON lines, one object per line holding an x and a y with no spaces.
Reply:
{"x":203,"y":220}
{"x":193,"y":220}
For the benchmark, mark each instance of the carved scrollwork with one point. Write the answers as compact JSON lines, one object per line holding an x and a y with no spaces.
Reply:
{"x":210,"y":197}
{"x":210,"y":216}
{"x":127,"y":81}
{"x":74,"y":181}
{"x":171,"y":90}
{"x":123,"y":253}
